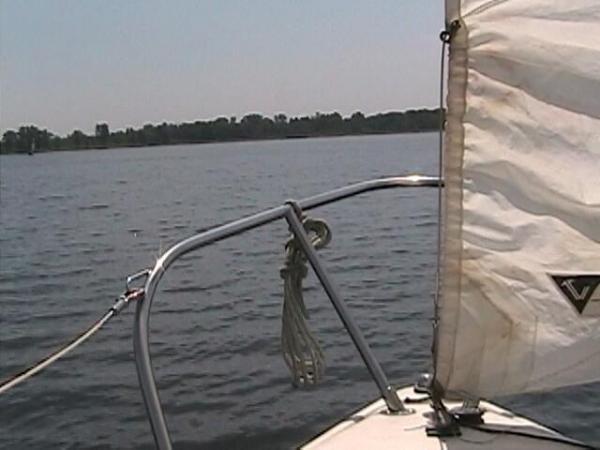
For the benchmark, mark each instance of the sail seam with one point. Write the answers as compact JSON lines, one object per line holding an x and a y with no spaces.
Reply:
{"x":485,"y":7}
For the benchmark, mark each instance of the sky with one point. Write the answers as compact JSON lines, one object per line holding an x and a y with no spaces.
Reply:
{"x":69,"y":64}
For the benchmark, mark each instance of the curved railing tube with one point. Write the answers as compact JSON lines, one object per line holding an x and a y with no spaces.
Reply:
{"x":142,"y":315}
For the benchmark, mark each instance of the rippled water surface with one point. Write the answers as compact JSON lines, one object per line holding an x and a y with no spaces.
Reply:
{"x":74,"y":224}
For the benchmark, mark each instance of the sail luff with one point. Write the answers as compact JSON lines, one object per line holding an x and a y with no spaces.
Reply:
{"x":452,"y":242}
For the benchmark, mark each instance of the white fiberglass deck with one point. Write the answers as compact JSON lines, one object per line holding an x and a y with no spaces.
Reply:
{"x":372,"y":428}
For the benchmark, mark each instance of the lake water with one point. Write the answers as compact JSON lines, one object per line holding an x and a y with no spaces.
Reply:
{"x":75,"y":224}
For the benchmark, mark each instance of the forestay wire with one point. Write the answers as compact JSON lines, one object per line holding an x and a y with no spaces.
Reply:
{"x":445,"y":37}
{"x":301,"y":351}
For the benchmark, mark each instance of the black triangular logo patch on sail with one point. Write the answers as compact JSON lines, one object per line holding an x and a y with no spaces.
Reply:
{"x":579,"y":289}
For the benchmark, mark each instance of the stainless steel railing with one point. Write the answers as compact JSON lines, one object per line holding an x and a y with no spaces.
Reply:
{"x":290,"y":212}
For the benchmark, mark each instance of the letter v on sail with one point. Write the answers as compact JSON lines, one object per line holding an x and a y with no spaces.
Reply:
{"x":582,"y":291}
{"x":522,"y":200}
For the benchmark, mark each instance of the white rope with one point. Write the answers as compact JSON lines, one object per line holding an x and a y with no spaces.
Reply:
{"x":301,"y":351}
{"x":53,"y":357}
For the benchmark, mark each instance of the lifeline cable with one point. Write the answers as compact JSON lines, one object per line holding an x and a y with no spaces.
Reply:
{"x":119,"y":305}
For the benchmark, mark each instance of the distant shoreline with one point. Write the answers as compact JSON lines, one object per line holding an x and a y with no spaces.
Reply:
{"x":252,"y":127}
{"x":238,"y":141}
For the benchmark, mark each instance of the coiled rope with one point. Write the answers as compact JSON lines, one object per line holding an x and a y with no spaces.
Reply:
{"x":301,"y":351}
{"x":119,"y":305}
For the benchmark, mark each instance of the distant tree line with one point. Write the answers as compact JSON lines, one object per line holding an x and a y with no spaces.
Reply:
{"x":29,"y":139}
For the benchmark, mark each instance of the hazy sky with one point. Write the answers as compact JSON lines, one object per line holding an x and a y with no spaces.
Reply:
{"x":67,"y":64}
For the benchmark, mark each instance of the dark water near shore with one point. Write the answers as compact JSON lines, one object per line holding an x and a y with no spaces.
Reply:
{"x":75,"y":224}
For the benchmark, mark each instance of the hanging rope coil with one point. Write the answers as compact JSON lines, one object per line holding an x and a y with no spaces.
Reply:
{"x":301,"y":351}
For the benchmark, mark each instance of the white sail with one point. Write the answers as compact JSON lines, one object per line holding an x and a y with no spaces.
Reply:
{"x":520,"y":302}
